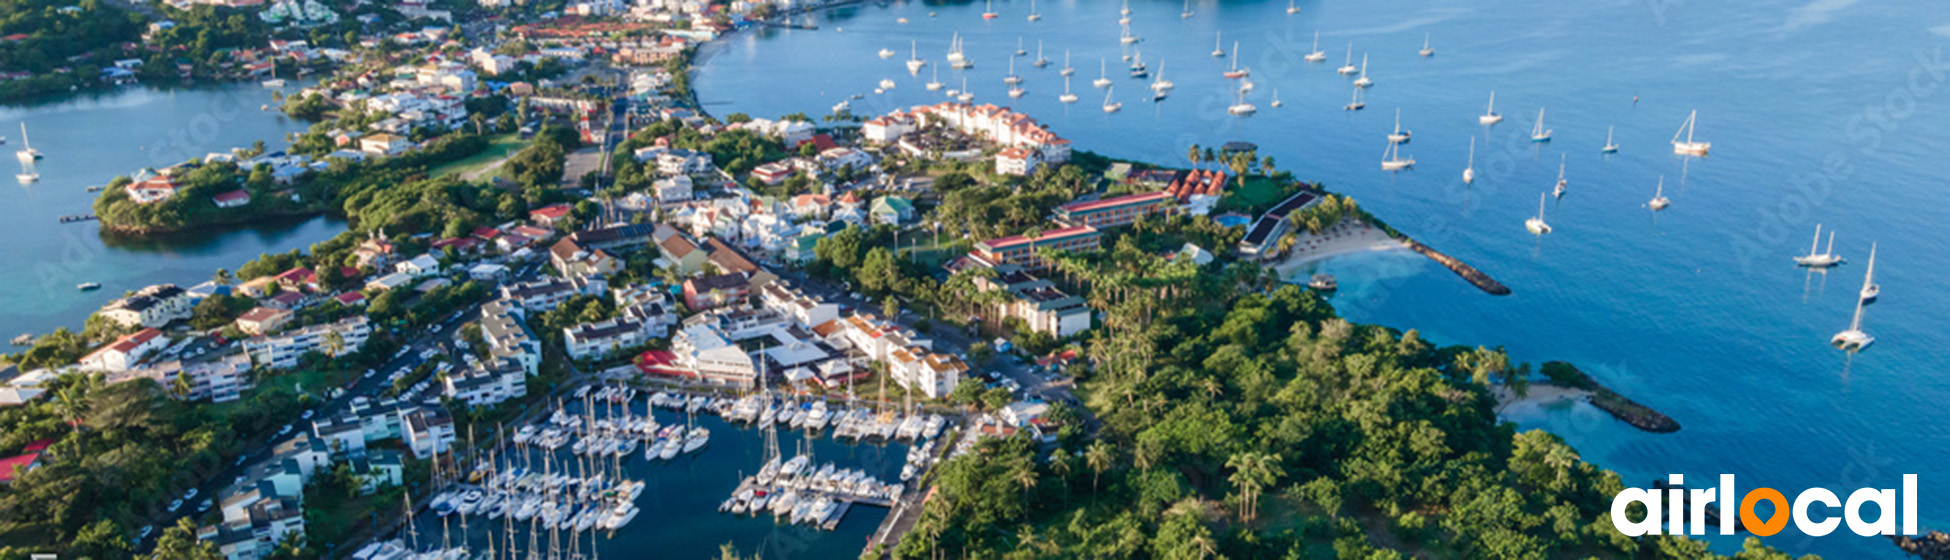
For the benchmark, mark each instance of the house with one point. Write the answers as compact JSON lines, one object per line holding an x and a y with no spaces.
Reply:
{"x":678,"y":161}
{"x":837,"y":158}
{"x":886,"y":129}
{"x":1016,"y":161}
{"x":934,"y":375}
{"x":546,"y":293}
{"x":711,"y":357}
{"x":389,"y":282}
{"x":27,"y":460}
{"x":681,"y":252}
{"x":428,"y":432}
{"x":297,"y":279}
{"x":772,"y":173}
{"x":419,"y":267}
{"x":350,"y":299}
{"x":261,"y":320}
{"x":804,"y":309}
{"x":486,"y":385}
{"x":891,"y":210}
{"x":549,"y":216}
{"x":152,"y":306}
{"x":1116,"y":211}
{"x":153,"y":189}
{"x":705,"y":292}
{"x":126,"y":351}
{"x":1036,"y":302}
{"x":385,"y":144}
{"x":1021,"y":250}
{"x":231,"y":199}
{"x":374,"y":251}
{"x":601,"y":338}
{"x":507,"y":336}
{"x":673,"y":189}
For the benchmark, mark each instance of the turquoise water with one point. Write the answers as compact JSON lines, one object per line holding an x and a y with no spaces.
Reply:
{"x":1828,"y":112}
{"x":92,"y":139}
{"x":678,"y":515}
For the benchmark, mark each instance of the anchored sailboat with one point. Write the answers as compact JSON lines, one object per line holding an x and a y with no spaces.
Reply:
{"x":1236,"y":72}
{"x":1067,"y":69}
{"x":935,"y":84}
{"x":1469,"y":169}
{"x":1489,"y":115}
{"x":1290,"y":8}
{"x":1103,"y":74}
{"x":1689,"y":147}
{"x":914,"y":60}
{"x":1824,"y":259}
{"x":1536,"y":225}
{"x":1276,"y":99}
{"x":1364,"y":80}
{"x":1538,"y":133}
{"x":1871,"y":290}
{"x":1561,"y":183}
{"x":1040,"y":61}
{"x":1610,"y":147}
{"x":27,"y":151}
{"x":1399,"y":136}
{"x":1067,"y":97}
{"x":1391,"y":159}
{"x":1357,"y":104}
{"x":1426,"y":50}
{"x":1659,"y":200}
{"x":1033,"y":14}
{"x":1110,"y":106}
{"x":1242,"y":108}
{"x":1854,"y":338}
{"x":1348,"y":68}
{"x":1218,"y":45}
{"x":1315,"y":54}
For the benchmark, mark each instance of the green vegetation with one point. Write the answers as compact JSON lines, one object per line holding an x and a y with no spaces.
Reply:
{"x":63,"y":48}
{"x":499,"y":148}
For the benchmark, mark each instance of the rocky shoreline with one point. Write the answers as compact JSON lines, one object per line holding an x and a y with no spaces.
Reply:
{"x":1626,"y":410}
{"x":1933,"y":545}
{"x":1475,"y":277}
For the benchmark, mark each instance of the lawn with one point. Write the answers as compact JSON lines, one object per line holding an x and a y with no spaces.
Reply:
{"x":1259,"y":194}
{"x":501,"y":147}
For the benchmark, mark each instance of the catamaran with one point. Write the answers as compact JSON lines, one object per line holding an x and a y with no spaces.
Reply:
{"x":1399,"y":136}
{"x":1315,"y":54}
{"x":1469,"y":169}
{"x":27,"y":151}
{"x":1391,"y":159}
{"x":1067,"y":97}
{"x":914,"y":60}
{"x":1610,"y":147}
{"x":1854,"y":338}
{"x":1870,"y":290}
{"x":1561,"y":183}
{"x":1823,"y":259}
{"x":1103,"y":74}
{"x":1348,"y":69}
{"x":1426,"y":50}
{"x":1689,"y":147}
{"x":1659,"y":200}
{"x":1537,"y":132}
{"x":1236,"y":72}
{"x":1364,"y":80}
{"x":1489,"y":115}
{"x":1536,"y":225}
{"x":1109,"y":105}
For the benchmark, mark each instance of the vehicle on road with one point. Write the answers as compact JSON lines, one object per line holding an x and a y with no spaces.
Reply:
{"x":176,"y":505}
{"x":190,"y":494}
{"x":286,"y":430}
{"x":144,"y":533}
{"x":205,"y":505}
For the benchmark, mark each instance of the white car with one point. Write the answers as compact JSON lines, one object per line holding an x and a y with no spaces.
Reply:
{"x":189,"y":495}
{"x":144,"y":533}
{"x":306,"y":415}
{"x":286,"y":430}
{"x":176,"y":505}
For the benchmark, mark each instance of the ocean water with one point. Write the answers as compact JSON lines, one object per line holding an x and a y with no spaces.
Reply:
{"x":678,"y":510}
{"x":95,"y":137}
{"x":1822,"y":112}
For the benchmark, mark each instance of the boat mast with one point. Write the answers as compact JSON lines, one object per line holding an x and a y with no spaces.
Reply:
{"x":1812,"y":245}
{"x":1869,"y":278}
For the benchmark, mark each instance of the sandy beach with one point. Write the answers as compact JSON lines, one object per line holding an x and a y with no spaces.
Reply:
{"x":1348,"y":236}
{"x":1538,"y":395}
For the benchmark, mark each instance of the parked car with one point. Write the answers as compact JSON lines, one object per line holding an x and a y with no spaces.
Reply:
{"x":190,"y":494}
{"x":176,"y":505}
{"x":240,"y":460}
{"x":205,"y":505}
{"x":286,"y":430}
{"x":144,"y":533}
{"x":306,"y":415}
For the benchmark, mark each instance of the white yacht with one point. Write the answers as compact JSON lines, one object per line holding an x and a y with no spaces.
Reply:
{"x":1537,"y":132}
{"x":1357,"y":104}
{"x":1033,"y":14}
{"x":1290,"y":8}
{"x":1659,"y":200}
{"x":1019,"y":50}
{"x":1399,"y":136}
{"x":1103,"y":74}
{"x":1561,"y":183}
{"x":1426,"y":50}
{"x":1067,"y":69}
{"x":1012,"y":78}
{"x":1364,"y":80}
{"x":1218,"y":45}
{"x":914,"y":60}
{"x":1242,"y":108}
{"x":935,"y":84}
{"x":1236,"y":72}
{"x":1040,"y":61}
{"x":1187,"y":13}
{"x":1391,"y":159}
{"x":1610,"y":147}
{"x":1687,"y":147}
{"x":27,"y":151}
{"x":1536,"y":225}
{"x":886,"y":84}
{"x":1854,"y":338}
{"x":886,"y":53}
{"x":1159,"y":83}
{"x":696,"y":439}
{"x":1823,"y":259}
{"x":1348,"y":69}
{"x":1489,"y":115}
{"x":1109,"y":105}
{"x":1275,"y":103}
{"x":1067,"y":97}
{"x":965,"y":96}
{"x":1469,"y":169}
{"x":1870,"y":289}
{"x":1315,"y":54}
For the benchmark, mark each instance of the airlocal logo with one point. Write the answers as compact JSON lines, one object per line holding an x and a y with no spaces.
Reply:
{"x":1684,"y":519}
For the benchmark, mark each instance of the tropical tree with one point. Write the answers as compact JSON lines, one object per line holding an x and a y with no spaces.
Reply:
{"x":1097,"y":457}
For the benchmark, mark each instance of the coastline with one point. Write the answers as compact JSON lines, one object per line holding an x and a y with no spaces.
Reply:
{"x":1346,"y":237}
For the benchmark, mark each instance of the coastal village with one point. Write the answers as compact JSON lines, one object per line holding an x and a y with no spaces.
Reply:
{"x":556,"y":259}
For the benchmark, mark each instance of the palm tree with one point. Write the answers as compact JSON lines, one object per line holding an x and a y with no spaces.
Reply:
{"x":223,"y":277}
{"x":1194,"y":155}
{"x":1025,"y":475}
{"x":1098,"y":458}
{"x":1266,"y":166}
{"x":334,"y":343}
{"x":1211,"y":155}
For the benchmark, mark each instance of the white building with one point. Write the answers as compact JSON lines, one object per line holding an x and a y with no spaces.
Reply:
{"x":712,"y":356}
{"x":673,"y":189}
{"x":283,"y":351}
{"x":126,"y":351}
{"x":153,"y":306}
{"x":601,"y":338}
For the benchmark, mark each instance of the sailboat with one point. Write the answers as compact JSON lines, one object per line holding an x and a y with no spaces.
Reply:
{"x":1659,"y":200}
{"x":1187,"y":13}
{"x":1125,"y":36}
{"x":1159,"y":83}
{"x":1138,"y":68}
{"x":1110,"y":106}
{"x":1218,"y":45}
{"x":1399,"y":136}
{"x":886,"y":53}
{"x":1067,"y":97}
{"x":935,"y":84}
{"x":1348,"y":68}
{"x":1033,"y":14}
{"x":1469,"y":169}
{"x":914,"y":60}
{"x":1315,"y":54}
{"x":1276,"y":99}
{"x":956,"y":58}
{"x":988,"y":12}
{"x":1126,"y":10}
{"x":1236,"y":72}
{"x":966,"y":95}
{"x":1536,"y":225}
{"x":1357,"y":104}
{"x":1610,"y":147}
{"x":1040,"y":61}
{"x":1103,"y":74}
{"x":1426,"y":51}
{"x":1019,"y":50}
{"x":1854,"y":338}
{"x":1391,"y":159}
{"x":1016,"y":92}
{"x":1689,"y":147}
{"x":27,"y":151}
{"x":1870,"y":290}
{"x":27,"y":175}
{"x":1538,"y":133}
{"x":1363,"y":81}
{"x":1561,"y":183}
{"x":1012,"y":78}
{"x":1242,"y":108}
{"x":1489,"y":115}
{"x":1823,"y":259}
{"x":1290,"y":8}
{"x":1067,"y":69}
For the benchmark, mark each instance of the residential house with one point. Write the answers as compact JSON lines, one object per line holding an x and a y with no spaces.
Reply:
{"x":153,"y":306}
{"x":1021,"y":250}
{"x":705,"y":292}
{"x":333,"y":339}
{"x":263,"y":320}
{"x":385,"y":144}
{"x":125,"y":351}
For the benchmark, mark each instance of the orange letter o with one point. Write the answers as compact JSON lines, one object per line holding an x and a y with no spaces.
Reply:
{"x":1753,"y":523}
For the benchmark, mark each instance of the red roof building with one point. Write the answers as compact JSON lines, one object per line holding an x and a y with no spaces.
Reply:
{"x":13,"y":467}
{"x":549,"y":215}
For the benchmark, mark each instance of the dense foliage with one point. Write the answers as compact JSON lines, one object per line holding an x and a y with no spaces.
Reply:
{"x":64,"y":47}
